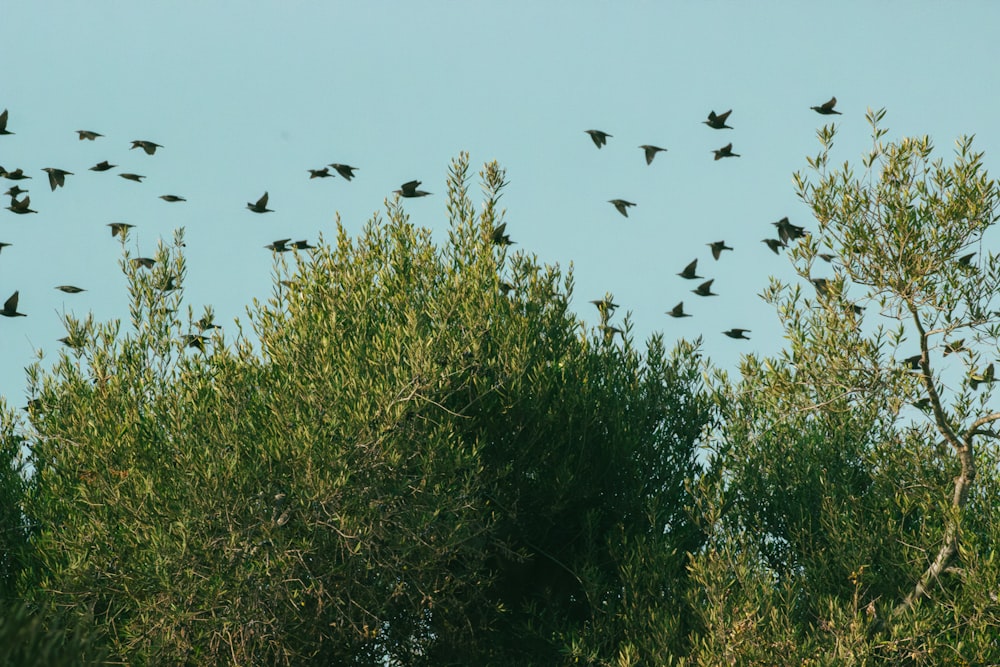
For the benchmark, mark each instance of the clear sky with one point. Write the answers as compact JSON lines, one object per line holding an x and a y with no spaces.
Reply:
{"x":246,"y":96}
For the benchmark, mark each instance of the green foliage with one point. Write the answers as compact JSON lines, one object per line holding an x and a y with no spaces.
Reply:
{"x":419,"y":456}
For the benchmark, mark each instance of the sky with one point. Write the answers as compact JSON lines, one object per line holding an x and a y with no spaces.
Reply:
{"x":246,"y":96}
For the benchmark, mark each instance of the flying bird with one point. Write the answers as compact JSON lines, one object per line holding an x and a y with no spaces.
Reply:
{"x":302,"y":245}
{"x":913,"y":362}
{"x":4,"y":245}
{"x":147,"y":146}
{"x":10,"y":305}
{"x":132,"y":177}
{"x":169,"y":285}
{"x":725,"y":151}
{"x":172,"y":198}
{"x":718,"y":122}
{"x":705,"y":289}
{"x":498,"y":237}
{"x":955,"y":346}
{"x":103,"y":166}
{"x":600,"y":138}
{"x":621,"y":205}
{"x":197,"y":341}
{"x":320,"y":173}
{"x":738,"y":334}
{"x":88,"y":135}
{"x":119,"y":228}
{"x":16,"y":175}
{"x":690,"y":270}
{"x":206,"y":323}
{"x":260,"y":206}
{"x":278,"y":246}
{"x":20,"y":207}
{"x":346,"y":171}
{"x":822,"y":285}
{"x":678,"y":311}
{"x":774,"y":244}
{"x":717,"y":248}
{"x":651,"y":152}
{"x":787,"y":231}
{"x":57,"y":177}
{"x":827,"y":108}
{"x":70,"y":289}
{"x":606,"y":306}
{"x":15,"y":191}
{"x":966,"y":260}
{"x":409,"y":189}
{"x":3,"y":123}
{"x":143,"y":263}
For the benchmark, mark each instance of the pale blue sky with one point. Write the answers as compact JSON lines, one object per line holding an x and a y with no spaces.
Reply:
{"x":246,"y":96}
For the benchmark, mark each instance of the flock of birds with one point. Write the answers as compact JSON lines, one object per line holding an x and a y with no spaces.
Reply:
{"x":20,"y":204}
{"x":786,"y":231}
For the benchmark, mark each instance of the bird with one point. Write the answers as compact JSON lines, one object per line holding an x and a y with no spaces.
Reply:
{"x":822,"y":285}
{"x":206,"y":323}
{"x":172,"y":198}
{"x":913,"y":362}
{"x":725,"y":151}
{"x":826,"y":257}
{"x":320,"y":173}
{"x":651,"y":152}
{"x":610,"y":331}
{"x":302,"y":245}
{"x":278,"y":246}
{"x":260,"y":206}
{"x":3,"y":123}
{"x":143,"y":262}
{"x":955,"y":346}
{"x":498,"y":237}
{"x":103,"y":166}
{"x":168,"y":285}
{"x":147,"y":146}
{"x":15,"y":191}
{"x":4,"y":245}
{"x":737,"y":333}
{"x":10,"y":305}
{"x":826,"y":108}
{"x":787,"y":231}
{"x":922,"y":404}
{"x":346,"y":171}
{"x":705,"y":289}
{"x":132,"y":177}
{"x":678,"y":311}
{"x":718,"y":122}
{"x":774,"y":244}
{"x":966,"y":260}
{"x":88,"y":135}
{"x":409,"y":189}
{"x":197,"y":341}
{"x":57,"y":177}
{"x":606,"y":306}
{"x":690,"y":270}
{"x":20,"y":207}
{"x":119,"y":228}
{"x":987,"y":376}
{"x":16,"y":175}
{"x":600,"y":138}
{"x":717,"y":248}
{"x":621,"y":205}
{"x":70,"y":289}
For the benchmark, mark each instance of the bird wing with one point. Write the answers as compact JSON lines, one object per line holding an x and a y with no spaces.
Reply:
{"x":723,"y":116}
{"x":10,"y":305}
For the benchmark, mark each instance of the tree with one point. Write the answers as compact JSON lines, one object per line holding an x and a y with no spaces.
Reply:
{"x":420,"y":455}
{"x":856,"y":497}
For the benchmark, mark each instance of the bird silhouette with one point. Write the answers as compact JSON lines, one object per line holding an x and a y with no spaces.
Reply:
{"x":143,"y":263}
{"x":787,"y":231}
{"x":103,"y":166}
{"x":133,"y":177}
{"x":278,"y":246}
{"x":147,"y":146}
{"x":70,"y":289}
{"x":206,"y":323}
{"x":302,"y":245}
{"x":955,"y":346}
{"x":827,"y":108}
{"x":16,"y":175}
{"x":966,"y":260}
{"x":600,"y":138}
{"x":119,"y":228}
{"x":172,"y":198}
{"x":57,"y":177}
{"x":621,"y":205}
{"x":737,"y":333}
{"x":822,"y":285}
{"x":168,"y":285}
{"x":717,"y":248}
{"x":651,"y":152}
{"x":606,"y":307}
{"x":346,"y":171}
{"x":4,"y":245}
{"x":774,"y":244}
{"x":260,"y":206}
{"x":826,"y":257}
{"x":609,"y":332}
{"x":678,"y":311}
{"x":15,"y":191}
{"x":718,"y":121}
{"x":320,"y":173}
{"x":409,"y":190}
{"x":498,"y":237}
{"x":705,"y":289}
{"x":987,"y":376}
{"x":20,"y":207}
{"x":690,"y":271}
{"x":88,"y":135}
{"x":725,"y":151}
{"x":913,"y":362}
{"x":3,"y":123}
{"x":10,"y":306}
{"x":197,"y":341}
